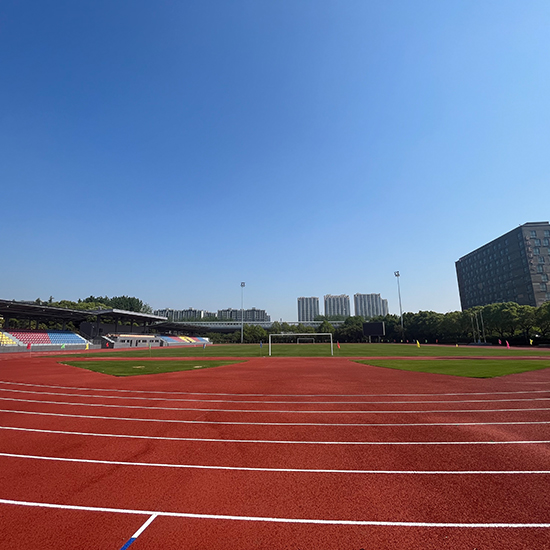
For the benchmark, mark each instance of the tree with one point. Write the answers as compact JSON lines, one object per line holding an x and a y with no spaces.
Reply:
{"x":325,"y":326}
{"x":542,"y":318}
{"x":425,"y":325}
{"x":351,"y":330}
{"x":526,"y":320}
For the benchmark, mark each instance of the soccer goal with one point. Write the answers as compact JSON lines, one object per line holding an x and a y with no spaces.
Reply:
{"x":309,"y":335}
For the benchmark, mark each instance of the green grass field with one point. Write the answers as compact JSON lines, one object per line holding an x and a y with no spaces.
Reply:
{"x":134,"y":368}
{"x":445,"y":358}
{"x":323,"y":350}
{"x":472,"y":368}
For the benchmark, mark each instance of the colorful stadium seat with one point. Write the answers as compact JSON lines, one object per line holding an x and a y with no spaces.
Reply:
{"x":45,"y":337}
{"x":7,"y":340}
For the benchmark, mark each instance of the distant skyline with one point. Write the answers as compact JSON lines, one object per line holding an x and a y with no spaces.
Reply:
{"x":172,"y":150}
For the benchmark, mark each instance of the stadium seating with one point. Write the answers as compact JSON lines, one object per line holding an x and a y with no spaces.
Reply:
{"x":45,"y":337}
{"x":184,"y":340}
{"x":7,"y":340}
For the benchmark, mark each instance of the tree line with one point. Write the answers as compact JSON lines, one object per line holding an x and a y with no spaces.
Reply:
{"x":491,"y":324}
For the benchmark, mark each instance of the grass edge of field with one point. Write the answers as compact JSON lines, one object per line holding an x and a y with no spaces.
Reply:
{"x":465,"y":368}
{"x":126,"y":368}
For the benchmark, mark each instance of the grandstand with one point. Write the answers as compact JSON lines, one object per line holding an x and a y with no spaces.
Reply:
{"x":112,"y":328}
{"x":45,"y":337}
{"x":184,"y":340}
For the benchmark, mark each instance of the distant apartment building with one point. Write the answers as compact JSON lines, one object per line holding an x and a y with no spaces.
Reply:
{"x":179,"y":315}
{"x":308,"y":308}
{"x":252,"y":315}
{"x":370,"y":305}
{"x":337,"y":305}
{"x":512,"y":268}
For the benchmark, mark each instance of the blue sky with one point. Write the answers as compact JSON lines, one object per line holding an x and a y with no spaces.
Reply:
{"x":170,"y":150}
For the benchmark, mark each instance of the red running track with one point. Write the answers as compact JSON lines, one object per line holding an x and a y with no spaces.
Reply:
{"x":272,"y":453}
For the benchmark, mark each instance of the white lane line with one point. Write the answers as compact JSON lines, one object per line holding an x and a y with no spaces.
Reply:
{"x":165,"y":399}
{"x":273,"y":519}
{"x":275,"y":394}
{"x":334,"y":424}
{"x":274,"y":441}
{"x":282,"y":470}
{"x":267,"y":411}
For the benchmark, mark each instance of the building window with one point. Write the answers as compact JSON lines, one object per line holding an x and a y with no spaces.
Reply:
{"x":547,"y":232}
{"x":537,"y":242}
{"x":543,"y":287}
{"x":541,"y":259}
{"x":540,"y":268}
{"x":544,"y":278}
{"x":536,"y":251}
{"x":533,"y":233}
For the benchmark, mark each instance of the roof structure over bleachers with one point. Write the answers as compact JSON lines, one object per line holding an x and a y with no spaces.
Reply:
{"x":25,"y":310}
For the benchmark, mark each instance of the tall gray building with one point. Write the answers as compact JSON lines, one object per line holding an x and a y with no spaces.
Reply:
{"x":252,"y":315}
{"x":337,"y":305}
{"x":512,"y":268}
{"x":308,"y":308}
{"x":370,"y":305}
{"x":178,"y":315}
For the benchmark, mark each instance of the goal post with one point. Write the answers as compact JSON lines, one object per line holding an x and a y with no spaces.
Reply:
{"x":308,"y":334}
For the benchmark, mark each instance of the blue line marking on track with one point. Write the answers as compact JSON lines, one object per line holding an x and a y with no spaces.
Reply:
{"x":128,"y":543}
{"x":138,"y":532}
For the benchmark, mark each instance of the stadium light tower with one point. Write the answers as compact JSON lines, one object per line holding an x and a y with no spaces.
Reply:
{"x":242,"y":312}
{"x":396,"y":273}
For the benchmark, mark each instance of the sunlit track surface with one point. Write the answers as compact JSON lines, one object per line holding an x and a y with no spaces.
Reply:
{"x":339,"y":456}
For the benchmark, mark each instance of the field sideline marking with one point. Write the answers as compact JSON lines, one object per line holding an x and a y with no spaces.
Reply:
{"x":274,"y":520}
{"x":264,"y":411}
{"x":277,"y":394}
{"x":278,"y":402}
{"x":279,"y":470}
{"x":334,"y":424}
{"x":274,"y":441}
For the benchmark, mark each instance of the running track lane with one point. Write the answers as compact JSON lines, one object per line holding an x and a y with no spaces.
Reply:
{"x":342,"y":540}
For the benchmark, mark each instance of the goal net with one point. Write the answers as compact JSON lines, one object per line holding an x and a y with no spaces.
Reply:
{"x":308,"y":335}
{"x":305,"y":341}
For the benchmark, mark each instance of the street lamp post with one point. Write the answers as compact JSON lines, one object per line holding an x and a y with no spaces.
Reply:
{"x":396,"y":273}
{"x":242,"y":312}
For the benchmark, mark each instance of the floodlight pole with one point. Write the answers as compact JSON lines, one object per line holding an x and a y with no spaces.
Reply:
{"x":396,"y":273}
{"x":242,"y":312}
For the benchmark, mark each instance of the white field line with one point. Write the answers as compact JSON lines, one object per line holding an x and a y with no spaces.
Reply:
{"x":277,"y":394}
{"x":266,"y":411}
{"x":280,"y":470}
{"x":275,"y":441}
{"x":335,"y":424}
{"x":273,"y":519}
{"x":164,"y":399}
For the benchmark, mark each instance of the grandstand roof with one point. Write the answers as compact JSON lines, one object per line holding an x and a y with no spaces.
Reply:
{"x":26,"y":310}
{"x":127,"y":314}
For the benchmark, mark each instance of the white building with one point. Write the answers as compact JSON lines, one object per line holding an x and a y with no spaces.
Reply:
{"x":337,"y":305}
{"x":370,"y":305}
{"x":308,"y":308}
{"x":252,"y":315}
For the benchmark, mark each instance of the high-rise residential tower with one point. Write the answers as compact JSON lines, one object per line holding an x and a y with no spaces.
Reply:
{"x":370,"y":305}
{"x":308,"y":308}
{"x":512,"y":268}
{"x":337,"y":305}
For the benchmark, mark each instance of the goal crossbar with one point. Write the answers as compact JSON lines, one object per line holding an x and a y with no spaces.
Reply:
{"x":303,"y":334}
